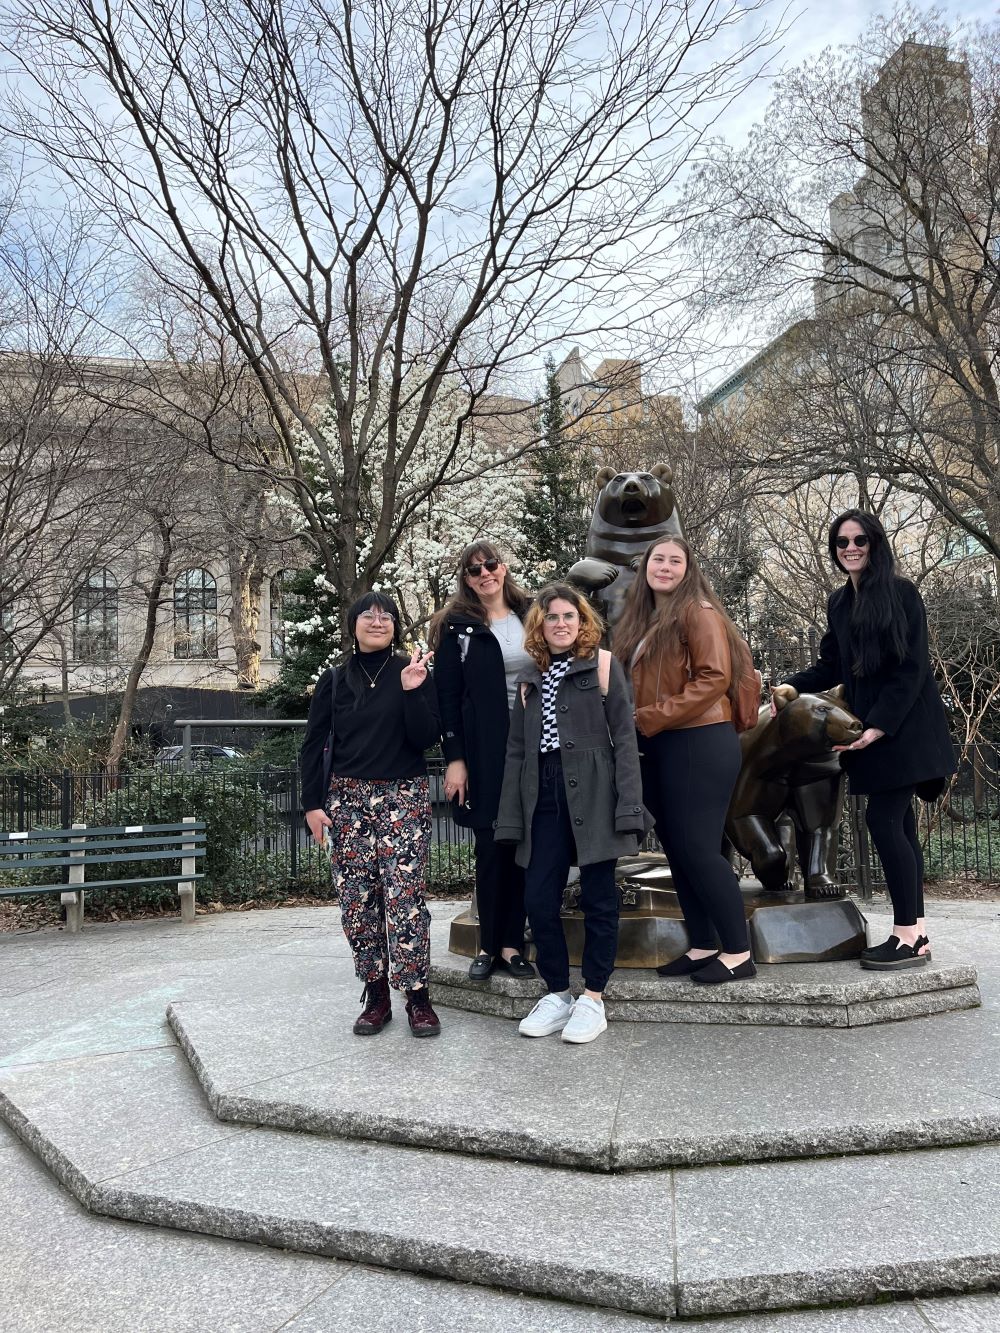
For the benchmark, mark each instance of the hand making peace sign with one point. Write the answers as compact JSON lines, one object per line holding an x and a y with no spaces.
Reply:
{"x":414,"y":675}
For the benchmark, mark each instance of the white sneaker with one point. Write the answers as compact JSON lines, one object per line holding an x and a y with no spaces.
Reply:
{"x":587,"y":1021}
{"x":550,"y":1014}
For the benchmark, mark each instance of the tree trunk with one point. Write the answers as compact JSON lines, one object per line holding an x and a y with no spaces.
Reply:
{"x":119,"y":740}
{"x":245,"y":583}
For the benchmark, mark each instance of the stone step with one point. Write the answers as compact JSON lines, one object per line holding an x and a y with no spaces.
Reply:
{"x":640,"y":1097}
{"x":830,"y":994}
{"x":131,"y":1135}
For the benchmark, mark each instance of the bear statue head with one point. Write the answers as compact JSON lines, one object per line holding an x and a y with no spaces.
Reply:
{"x":636,"y":499}
{"x":817,"y":722}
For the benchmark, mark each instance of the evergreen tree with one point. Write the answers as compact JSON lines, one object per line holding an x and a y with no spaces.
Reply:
{"x":312,"y":642}
{"x":555,"y":523}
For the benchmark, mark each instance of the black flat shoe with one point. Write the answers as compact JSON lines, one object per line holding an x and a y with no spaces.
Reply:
{"x":893,"y":956}
{"x":684,"y":966}
{"x":481,"y":967}
{"x":516,"y":966}
{"x":717,"y":972}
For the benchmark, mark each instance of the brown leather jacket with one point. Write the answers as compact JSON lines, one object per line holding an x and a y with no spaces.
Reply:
{"x":687,"y":689}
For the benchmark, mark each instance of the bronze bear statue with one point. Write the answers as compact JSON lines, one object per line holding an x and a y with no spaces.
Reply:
{"x":632,"y":509}
{"x":790,"y":772}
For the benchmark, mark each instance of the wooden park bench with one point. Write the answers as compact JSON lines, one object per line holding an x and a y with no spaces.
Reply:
{"x":72,"y":850}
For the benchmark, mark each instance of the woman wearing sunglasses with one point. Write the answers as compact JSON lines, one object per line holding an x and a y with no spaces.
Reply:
{"x":876,"y":646}
{"x":478,"y":638}
{"x":572,"y":795}
{"x":364,"y":785}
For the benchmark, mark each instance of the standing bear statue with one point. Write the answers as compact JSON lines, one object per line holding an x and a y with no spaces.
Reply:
{"x":632,"y":509}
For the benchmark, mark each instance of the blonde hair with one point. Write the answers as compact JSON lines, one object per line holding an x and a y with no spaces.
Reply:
{"x":591,"y":628}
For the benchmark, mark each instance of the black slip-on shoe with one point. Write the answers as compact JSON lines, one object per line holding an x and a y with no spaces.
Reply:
{"x":516,"y":966}
{"x":717,"y":972}
{"x":481,"y":967}
{"x":684,"y":966}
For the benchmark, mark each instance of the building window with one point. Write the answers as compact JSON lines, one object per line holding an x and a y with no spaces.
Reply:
{"x":195,"y":606}
{"x":283,"y":598}
{"x":7,"y":634}
{"x":95,"y":619}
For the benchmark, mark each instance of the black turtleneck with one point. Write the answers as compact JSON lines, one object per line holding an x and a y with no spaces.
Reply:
{"x":381,"y":730}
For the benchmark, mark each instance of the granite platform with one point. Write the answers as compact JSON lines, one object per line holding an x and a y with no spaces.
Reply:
{"x":815,"y":995}
{"x":667,"y":1171}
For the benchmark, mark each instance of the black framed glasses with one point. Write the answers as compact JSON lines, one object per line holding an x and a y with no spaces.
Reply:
{"x":474,"y":571}
{"x":844,"y":542}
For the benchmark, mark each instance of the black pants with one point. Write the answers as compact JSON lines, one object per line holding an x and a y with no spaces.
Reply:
{"x":553,"y":850}
{"x":893,"y":827}
{"x":688,"y":777}
{"x":499,"y":895}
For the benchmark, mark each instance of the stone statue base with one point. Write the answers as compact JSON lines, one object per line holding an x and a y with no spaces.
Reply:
{"x":784,"y":928}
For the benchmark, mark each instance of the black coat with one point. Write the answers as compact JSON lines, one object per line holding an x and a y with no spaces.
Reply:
{"x":475,"y":719}
{"x":901,"y":699}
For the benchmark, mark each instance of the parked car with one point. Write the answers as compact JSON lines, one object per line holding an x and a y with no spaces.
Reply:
{"x":202,"y":756}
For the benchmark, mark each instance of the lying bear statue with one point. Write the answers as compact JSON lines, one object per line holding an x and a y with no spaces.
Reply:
{"x":632,"y":508}
{"x":790,"y":772}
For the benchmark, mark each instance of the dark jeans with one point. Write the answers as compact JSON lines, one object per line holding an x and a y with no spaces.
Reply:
{"x":553,"y":850}
{"x":499,"y":895}
{"x":688,"y":777}
{"x":893,"y":826}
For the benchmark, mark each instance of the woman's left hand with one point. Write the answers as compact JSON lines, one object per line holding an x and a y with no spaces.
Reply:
{"x":864,"y":740}
{"x":414,"y":675}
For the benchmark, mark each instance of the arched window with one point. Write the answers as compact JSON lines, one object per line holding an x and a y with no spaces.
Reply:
{"x":282,"y":600}
{"x":195,"y":605}
{"x":95,"y":618}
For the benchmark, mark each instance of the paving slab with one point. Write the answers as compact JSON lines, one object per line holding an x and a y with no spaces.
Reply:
{"x":962,"y":1314}
{"x":850,"y":1229}
{"x":132,"y":1137}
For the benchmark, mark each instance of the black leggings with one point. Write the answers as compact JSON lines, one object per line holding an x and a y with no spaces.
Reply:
{"x":893,"y":827}
{"x":688,"y":777}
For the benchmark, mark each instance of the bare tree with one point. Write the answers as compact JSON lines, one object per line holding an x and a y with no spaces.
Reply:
{"x":876,"y":177}
{"x":423,"y":197}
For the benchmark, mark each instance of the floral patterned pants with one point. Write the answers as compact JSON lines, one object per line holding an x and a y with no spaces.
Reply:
{"x":381,"y":839}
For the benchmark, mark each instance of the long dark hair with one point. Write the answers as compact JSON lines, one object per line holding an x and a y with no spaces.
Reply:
{"x":665,"y":629}
{"x":878,"y":621}
{"x":353,"y":674}
{"x":464,"y":603}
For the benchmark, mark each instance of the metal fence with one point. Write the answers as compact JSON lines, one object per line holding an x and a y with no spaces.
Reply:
{"x":255,"y":814}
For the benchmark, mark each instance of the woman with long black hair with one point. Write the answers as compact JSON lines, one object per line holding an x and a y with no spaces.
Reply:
{"x":876,"y":647}
{"x":364,"y":785}
{"x":683,"y":652}
{"x":478,"y":638}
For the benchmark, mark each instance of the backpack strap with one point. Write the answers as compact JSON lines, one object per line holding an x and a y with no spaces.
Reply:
{"x":603,"y":670}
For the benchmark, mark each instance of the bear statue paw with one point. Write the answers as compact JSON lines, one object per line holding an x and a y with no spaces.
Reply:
{"x":823,"y":891}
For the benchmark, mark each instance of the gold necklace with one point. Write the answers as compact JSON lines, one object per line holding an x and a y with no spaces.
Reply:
{"x":372,"y":679}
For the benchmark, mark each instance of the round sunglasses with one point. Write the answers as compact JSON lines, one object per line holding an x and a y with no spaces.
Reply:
{"x":474,"y":571}
{"x":844,"y":542}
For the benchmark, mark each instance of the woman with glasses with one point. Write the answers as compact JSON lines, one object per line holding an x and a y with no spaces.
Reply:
{"x":364,"y":785}
{"x":478,"y":638}
{"x":876,"y":647}
{"x":681,"y":648}
{"x":571,"y":796}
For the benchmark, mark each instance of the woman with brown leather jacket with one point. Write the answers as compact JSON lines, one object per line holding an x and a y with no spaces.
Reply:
{"x":680,"y":645}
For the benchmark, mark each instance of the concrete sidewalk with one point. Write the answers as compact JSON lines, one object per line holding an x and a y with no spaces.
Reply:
{"x":64,"y":1003}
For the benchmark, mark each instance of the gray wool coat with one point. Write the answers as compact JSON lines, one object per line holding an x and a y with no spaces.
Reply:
{"x":600,"y":760}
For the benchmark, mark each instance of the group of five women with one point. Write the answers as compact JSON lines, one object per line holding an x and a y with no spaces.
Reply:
{"x":560,"y":754}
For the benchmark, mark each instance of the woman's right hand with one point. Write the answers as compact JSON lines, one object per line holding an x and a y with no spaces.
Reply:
{"x":456,"y":780}
{"x":318,"y":821}
{"x":786,"y":693}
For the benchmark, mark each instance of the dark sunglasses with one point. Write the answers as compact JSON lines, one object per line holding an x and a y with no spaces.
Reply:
{"x":474,"y":571}
{"x":844,"y":542}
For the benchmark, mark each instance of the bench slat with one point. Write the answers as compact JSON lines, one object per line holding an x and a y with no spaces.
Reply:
{"x":36,"y":848}
{"x":30,"y":835}
{"x":26,"y":889}
{"x":98,"y":858}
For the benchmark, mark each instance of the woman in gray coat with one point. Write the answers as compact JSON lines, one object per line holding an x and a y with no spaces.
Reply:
{"x":572,"y":793}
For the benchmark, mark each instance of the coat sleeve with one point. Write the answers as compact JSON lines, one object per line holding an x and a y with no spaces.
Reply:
{"x":318,"y":729}
{"x":900,"y":692}
{"x":826,"y":672}
{"x":421,"y":717}
{"x":450,"y":684}
{"x":630,"y":817}
{"x":509,"y":826}
{"x":710,"y":670}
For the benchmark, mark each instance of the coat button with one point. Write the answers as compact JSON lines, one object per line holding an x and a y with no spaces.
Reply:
{"x":563,"y":708}
{"x":636,"y":809}
{"x":572,"y":782}
{"x":578,"y":820}
{"x":569,"y":745}
{"x":469,"y":629}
